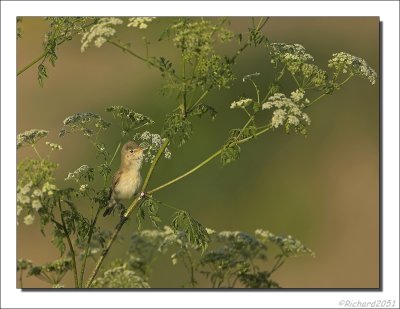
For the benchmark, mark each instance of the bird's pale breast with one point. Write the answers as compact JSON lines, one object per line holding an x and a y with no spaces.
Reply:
{"x":127,"y":185}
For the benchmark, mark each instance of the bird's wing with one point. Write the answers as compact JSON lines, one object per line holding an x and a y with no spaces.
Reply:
{"x":115,"y":181}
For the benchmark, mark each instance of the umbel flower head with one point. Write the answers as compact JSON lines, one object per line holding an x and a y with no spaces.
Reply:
{"x":100,"y":32}
{"x":288,"y":111}
{"x":140,"y":22}
{"x":30,"y":137}
{"x":151,"y":143}
{"x":345,"y":63}
{"x":243,"y":103}
{"x":292,"y":55}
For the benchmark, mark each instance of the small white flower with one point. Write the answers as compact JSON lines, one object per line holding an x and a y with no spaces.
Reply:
{"x":140,"y":22}
{"x":210,"y":231}
{"x":146,"y":135}
{"x":54,"y":146}
{"x":19,"y":209}
{"x":293,"y":120}
{"x":48,"y":188}
{"x":36,"y":204}
{"x":346,"y":63}
{"x":29,"y":219}
{"x":100,"y":32}
{"x":241,"y":103}
{"x":297,"y":95}
{"x":25,"y":189}
{"x":167,"y":153}
{"x":23,"y":199}
{"x":278,"y":117}
{"x":83,"y":188}
{"x":174,"y":259}
{"x":37,"y":193}
{"x":306,"y":118}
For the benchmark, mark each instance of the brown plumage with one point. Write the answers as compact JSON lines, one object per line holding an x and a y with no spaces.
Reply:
{"x":127,"y":179}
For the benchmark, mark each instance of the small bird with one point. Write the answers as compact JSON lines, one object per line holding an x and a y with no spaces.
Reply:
{"x":127,"y":179}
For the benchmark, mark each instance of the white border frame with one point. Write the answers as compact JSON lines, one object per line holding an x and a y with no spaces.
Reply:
{"x":387,"y":11}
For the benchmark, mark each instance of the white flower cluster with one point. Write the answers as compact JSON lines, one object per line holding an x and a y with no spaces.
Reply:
{"x":54,"y":146}
{"x":243,"y":103}
{"x":287,"y":110}
{"x":80,"y":118}
{"x":289,"y":245}
{"x":250,"y":76}
{"x":292,"y":55}
{"x":238,"y":237}
{"x":345,"y":63}
{"x":140,"y":22}
{"x":29,"y":199}
{"x":100,"y":32}
{"x":79,"y":173}
{"x":30,"y":137}
{"x":314,"y":74}
{"x":151,"y":143}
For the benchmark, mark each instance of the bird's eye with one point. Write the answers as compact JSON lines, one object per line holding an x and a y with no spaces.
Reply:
{"x":131,"y":151}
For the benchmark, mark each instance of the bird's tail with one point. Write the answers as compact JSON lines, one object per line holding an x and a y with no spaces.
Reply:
{"x":110,"y":207}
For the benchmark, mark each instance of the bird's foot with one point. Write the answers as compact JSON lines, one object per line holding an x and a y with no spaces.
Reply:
{"x":142,"y":195}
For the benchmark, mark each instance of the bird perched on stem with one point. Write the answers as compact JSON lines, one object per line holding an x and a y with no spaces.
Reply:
{"x":127,"y":179}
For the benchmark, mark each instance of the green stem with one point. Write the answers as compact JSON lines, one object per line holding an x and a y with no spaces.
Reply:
{"x":198,"y":101}
{"x":295,"y":79}
{"x":248,"y":43}
{"x":71,"y":248}
{"x":258,"y":91}
{"x":32,"y":63}
{"x":210,"y":158}
{"x":245,"y":126}
{"x":125,"y":216}
{"x":123,"y":48}
{"x":37,"y":152}
{"x":346,"y":80}
{"x":115,"y":153}
{"x":312,"y":102}
{"x":278,"y":264}
{"x":20,"y":279}
{"x":324,"y":94}
{"x":216,"y":154}
{"x":88,"y":246}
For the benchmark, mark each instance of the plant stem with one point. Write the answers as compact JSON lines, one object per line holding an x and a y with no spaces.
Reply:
{"x":32,"y":63}
{"x":198,"y":101}
{"x":278,"y":264}
{"x":115,"y":153}
{"x":88,"y":246}
{"x":37,"y":152}
{"x":216,"y":154}
{"x":183,"y":105}
{"x":126,"y":215}
{"x":210,"y":158}
{"x":320,"y":97}
{"x":71,"y":248}
{"x":20,"y":279}
{"x":123,"y":48}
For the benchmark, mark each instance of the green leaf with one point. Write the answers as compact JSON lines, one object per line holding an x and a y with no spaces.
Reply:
{"x":195,"y":232}
{"x":58,"y":239}
{"x":178,"y":129}
{"x":230,"y":152}
{"x":203,"y":109}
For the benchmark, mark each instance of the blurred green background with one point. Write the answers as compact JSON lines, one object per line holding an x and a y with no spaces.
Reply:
{"x":322,"y":189}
